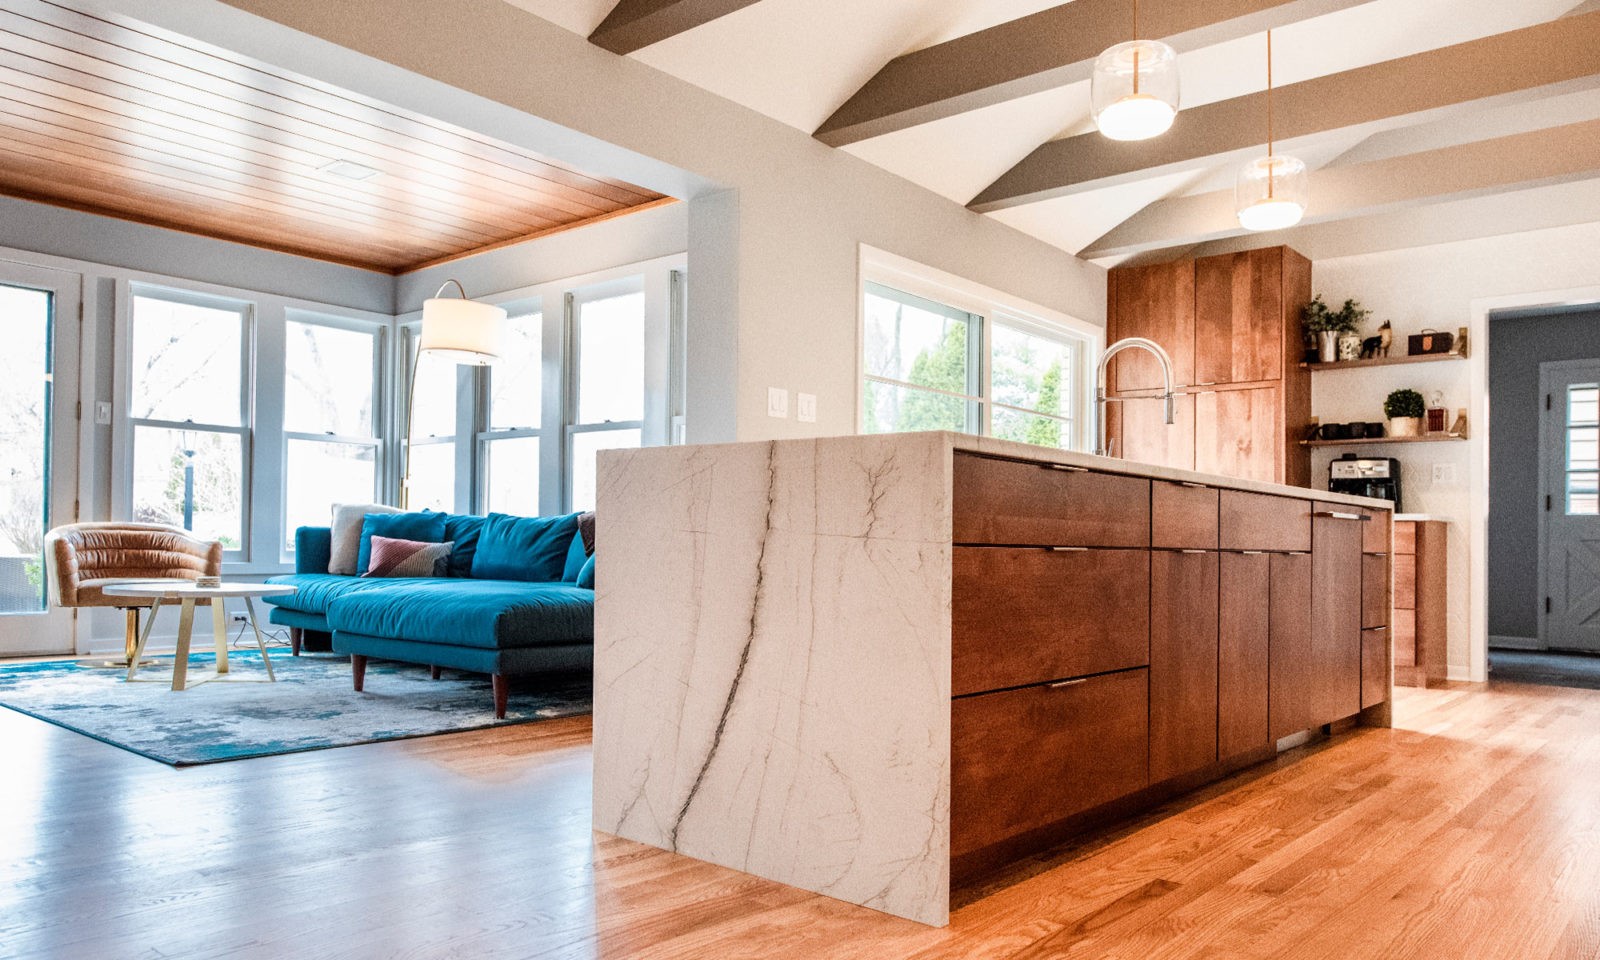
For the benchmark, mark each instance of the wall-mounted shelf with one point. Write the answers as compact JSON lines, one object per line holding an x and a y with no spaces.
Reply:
{"x":1381,"y":361}
{"x":1426,"y":438}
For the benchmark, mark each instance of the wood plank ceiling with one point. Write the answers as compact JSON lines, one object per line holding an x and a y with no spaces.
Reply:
{"x":124,"y":120}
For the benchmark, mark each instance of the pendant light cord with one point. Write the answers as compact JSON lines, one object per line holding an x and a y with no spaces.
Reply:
{"x":1136,"y":49}
{"x":1271,"y":164}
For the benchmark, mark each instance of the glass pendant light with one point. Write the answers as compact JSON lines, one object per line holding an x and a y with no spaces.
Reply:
{"x":1272,"y":192}
{"x":1134,"y":91}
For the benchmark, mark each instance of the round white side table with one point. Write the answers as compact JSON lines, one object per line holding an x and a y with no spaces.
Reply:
{"x":186,"y":596}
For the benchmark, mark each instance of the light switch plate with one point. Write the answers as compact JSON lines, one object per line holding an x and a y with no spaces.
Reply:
{"x":1444,"y":474}
{"x":805,"y":407}
{"x":778,"y":403}
{"x":102,"y":412}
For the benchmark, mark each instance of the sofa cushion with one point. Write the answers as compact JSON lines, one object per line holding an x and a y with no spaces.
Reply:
{"x":315,"y":591}
{"x":426,"y":527}
{"x":586,"y":575}
{"x":345,"y":546}
{"x":462,"y":530}
{"x":576,"y":557}
{"x":532,"y":549}
{"x":489,"y":614}
{"x":408,"y":558}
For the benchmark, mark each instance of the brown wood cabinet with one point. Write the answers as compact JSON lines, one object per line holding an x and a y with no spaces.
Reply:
{"x":1015,"y":501}
{"x":1183,"y":662}
{"x":1183,"y":515}
{"x":1289,"y":640}
{"x":1335,"y":613}
{"x":1259,"y":521}
{"x":1243,"y":644}
{"x":1238,"y":330}
{"x":1421,"y":614}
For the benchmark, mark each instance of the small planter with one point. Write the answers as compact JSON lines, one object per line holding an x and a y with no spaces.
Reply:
{"x":1350,"y":346}
{"x":1405,"y":426}
{"x":1328,"y":345}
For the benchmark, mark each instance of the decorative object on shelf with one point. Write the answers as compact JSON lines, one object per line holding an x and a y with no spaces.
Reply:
{"x":1272,"y":191}
{"x":1459,"y":348}
{"x":1404,"y":409}
{"x":1134,"y":89}
{"x":1436,"y":411}
{"x":1349,"y":346}
{"x":1335,"y":329}
{"x":1459,"y":428}
{"x":459,"y":329}
{"x":1373,"y":348}
{"x":1429,"y":341}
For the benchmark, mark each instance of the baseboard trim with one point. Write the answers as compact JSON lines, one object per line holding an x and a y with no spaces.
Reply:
{"x":1515,"y":643}
{"x":1455,"y":673}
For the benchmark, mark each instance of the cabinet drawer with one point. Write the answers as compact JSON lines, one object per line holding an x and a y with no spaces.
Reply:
{"x":1374,"y":667}
{"x":1405,"y":583}
{"x":1258,"y":521}
{"x":1405,"y":536}
{"x":1405,"y":638}
{"x":1021,"y":615}
{"x":1374,"y":591}
{"x":1008,"y":501}
{"x":1183,"y":516}
{"x":1025,"y":759}
{"x":1376,"y":537}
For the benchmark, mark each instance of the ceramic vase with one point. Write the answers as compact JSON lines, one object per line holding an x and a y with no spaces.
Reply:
{"x":1350,"y":347}
{"x":1405,"y":426}
{"x":1328,"y":345}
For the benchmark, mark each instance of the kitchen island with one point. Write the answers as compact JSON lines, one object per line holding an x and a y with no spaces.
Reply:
{"x":873,"y":666}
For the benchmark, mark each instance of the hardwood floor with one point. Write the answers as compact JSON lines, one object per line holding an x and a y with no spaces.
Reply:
{"x":1472,"y":830}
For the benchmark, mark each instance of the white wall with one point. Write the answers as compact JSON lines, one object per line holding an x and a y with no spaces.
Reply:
{"x":774,"y":266}
{"x":1447,"y":286}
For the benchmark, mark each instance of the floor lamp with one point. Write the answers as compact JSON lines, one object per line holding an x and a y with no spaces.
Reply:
{"x":455,"y":328}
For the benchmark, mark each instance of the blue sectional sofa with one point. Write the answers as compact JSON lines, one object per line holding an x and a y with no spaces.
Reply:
{"x":520,"y":619}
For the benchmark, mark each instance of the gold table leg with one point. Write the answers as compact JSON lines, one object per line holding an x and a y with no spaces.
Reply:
{"x":180,"y":665}
{"x":219,"y":630}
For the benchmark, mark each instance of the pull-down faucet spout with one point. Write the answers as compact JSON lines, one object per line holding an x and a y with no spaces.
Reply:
{"x":1169,"y":409}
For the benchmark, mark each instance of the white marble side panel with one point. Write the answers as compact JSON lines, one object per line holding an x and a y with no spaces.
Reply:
{"x":772,"y":662}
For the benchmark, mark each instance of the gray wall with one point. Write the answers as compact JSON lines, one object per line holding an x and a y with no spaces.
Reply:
{"x":1518,"y":343}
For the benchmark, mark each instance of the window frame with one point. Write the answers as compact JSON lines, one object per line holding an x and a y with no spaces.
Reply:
{"x":989,"y":308}
{"x":571,"y":426}
{"x":294,"y":315}
{"x":487,"y":434}
{"x":245,"y":430}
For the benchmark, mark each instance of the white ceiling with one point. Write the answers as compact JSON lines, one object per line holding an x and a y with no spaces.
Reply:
{"x":797,"y":61}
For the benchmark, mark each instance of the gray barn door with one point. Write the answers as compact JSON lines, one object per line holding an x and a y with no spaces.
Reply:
{"x":1569,"y":456}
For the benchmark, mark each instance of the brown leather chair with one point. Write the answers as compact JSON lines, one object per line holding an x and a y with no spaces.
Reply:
{"x":84,"y":558}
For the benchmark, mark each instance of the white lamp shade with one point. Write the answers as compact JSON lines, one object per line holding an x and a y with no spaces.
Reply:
{"x":1134,"y":90}
{"x":465,"y":331}
{"x":1272,"y":193}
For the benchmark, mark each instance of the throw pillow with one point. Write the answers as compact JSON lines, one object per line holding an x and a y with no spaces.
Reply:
{"x":586,"y":575}
{"x":423,"y":527}
{"x":408,"y":558}
{"x":586,"y":531}
{"x":532,"y":549}
{"x":346,"y":535}
{"x":576,"y":555}
{"x":463,"y":530}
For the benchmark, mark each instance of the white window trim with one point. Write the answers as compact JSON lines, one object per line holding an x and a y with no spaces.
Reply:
{"x":994,"y":306}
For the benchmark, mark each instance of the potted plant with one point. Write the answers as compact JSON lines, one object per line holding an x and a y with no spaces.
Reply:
{"x":1326,"y":325}
{"x":1350,"y":317}
{"x":1404,"y":409}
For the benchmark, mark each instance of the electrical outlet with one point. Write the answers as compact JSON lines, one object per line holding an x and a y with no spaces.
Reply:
{"x":1444,"y":474}
{"x":778,"y":403}
{"x":240,"y":618}
{"x":805,"y":407}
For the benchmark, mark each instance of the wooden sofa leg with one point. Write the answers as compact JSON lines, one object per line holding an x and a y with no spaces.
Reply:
{"x":296,"y":637}
{"x":502,"y":690}
{"x":358,"y":670}
{"x":434,"y":672}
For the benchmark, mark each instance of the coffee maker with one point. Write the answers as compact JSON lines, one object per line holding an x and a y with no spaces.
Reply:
{"x":1377,"y":477}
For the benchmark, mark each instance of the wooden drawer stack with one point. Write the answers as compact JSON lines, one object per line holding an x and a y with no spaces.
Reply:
{"x":1420,"y":631}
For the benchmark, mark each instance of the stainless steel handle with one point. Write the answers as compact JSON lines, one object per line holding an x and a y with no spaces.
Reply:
{"x":1254,"y":553}
{"x":1066,"y":468}
{"x":1066,"y":549}
{"x":1192,"y":485}
{"x":1336,"y":515}
{"x":1194,"y":551}
{"x":1067,"y":683}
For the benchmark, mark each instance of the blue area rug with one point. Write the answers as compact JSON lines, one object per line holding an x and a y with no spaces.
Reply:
{"x":311,"y":707}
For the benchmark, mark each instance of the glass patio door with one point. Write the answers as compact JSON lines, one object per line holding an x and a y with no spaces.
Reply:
{"x":38,"y":448}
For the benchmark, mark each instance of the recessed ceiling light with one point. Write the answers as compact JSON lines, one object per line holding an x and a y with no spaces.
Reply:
{"x":348,"y":169}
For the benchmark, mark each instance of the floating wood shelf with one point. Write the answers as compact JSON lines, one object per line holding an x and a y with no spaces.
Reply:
{"x":1381,"y":361}
{"x":1427,"y":438}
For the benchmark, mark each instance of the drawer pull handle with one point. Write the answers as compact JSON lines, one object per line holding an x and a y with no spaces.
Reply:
{"x":1067,"y":549}
{"x":1254,"y":553}
{"x":1192,"y":485}
{"x":1336,"y":515}
{"x":1066,"y":468}
{"x":1067,"y":683}
{"x":1194,"y":551}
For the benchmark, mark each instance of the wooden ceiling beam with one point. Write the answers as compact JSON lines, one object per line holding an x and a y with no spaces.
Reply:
{"x":1499,"y":165}
{"x":1043,"y":51}
{"x":635,"y":24}
{"x":1519,"y":65}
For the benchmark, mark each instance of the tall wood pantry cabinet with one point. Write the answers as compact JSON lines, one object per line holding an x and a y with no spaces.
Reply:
{"x":1231,"y":324}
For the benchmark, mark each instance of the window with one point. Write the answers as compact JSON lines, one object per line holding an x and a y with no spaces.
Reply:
{"x":329,"y":421}
{"x":510,"y":448}
{"x":26,"y":384}
{"x":1583,"y":449}
{"x":188,"y":364}
{"x":433,"y":425}
{"x":608,"y":388}
{"x":931,"y":366}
